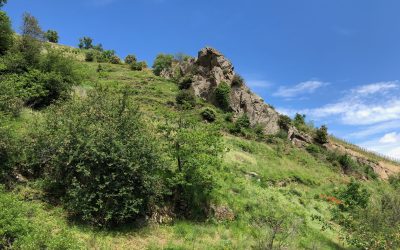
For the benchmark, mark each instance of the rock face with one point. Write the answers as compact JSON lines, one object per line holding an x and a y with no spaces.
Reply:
{"x":211,"y":69}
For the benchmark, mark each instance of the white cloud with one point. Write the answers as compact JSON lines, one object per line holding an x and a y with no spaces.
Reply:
{"x":390,"y":138}
{"x":376,"y":129}
{"x":307,"y":87}
{"x":376,"y":87}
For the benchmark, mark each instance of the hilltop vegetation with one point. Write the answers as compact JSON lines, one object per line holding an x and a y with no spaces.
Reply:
{"x":101,"y":154}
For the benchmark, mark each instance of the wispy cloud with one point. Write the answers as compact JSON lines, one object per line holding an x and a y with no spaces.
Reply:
{"x":307,"y":87}
{"x":376,"y":87}
{"x":256,"y":83}
{"x":390,"y":138}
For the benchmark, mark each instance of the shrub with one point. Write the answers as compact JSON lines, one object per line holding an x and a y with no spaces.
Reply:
{"x":299,"y":120}
{"x":162,"y":62}
{"x":52,"y":36}
{"x":223,"y":96}
{"x":284,"y":122}
{"x":322,"y":135}
{"x":313,"y":149}
{"x":186,"y":99}
{"x":208,"y":114}
{"x":90,"y":56}
{"x":115,"y":60}
{"x":85,"y":43}
{"x":195,"y":169}
{"x":185,"y":82}
{"x":353,"y":196}
{"x":100,"y":159}
{"x":237,"y":81}
{"x":243,"y":121}
{"x":130,"y":59}
{"x":6,"y":153}
{"x":11,"y":96}
{"x":138,"y":66}
{"x":6,"y":34}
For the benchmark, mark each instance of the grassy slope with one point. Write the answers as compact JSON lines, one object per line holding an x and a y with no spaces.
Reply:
{"x":255,"y":176}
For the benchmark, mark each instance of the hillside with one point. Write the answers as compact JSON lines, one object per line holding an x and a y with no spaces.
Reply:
{"x":101,"y":154}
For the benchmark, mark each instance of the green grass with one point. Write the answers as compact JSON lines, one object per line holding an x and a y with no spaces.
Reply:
{"x":257,"y":179}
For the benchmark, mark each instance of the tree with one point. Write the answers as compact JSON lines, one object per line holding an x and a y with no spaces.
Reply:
{"x":52,"y":36}
{"x":85,"y":43}
{"x":2,"y":3}
{"x":322,"y":134}
{"x":32,"y":38}
{"x":196,"y":152}
{"x":162,"y":62}
{"x":299,"y":120}
{"x":223,"y":96}
{"x":6,"y":33}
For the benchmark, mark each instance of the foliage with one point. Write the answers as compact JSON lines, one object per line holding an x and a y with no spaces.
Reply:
{"x":196,"y":149}
{"x":90,"y":56}
{"x":11,"y":95}
{"x":115,"y":60}
{"x":208,"y":114}
{"x":162,"y":61}
{"x":32,"y":38}
{"x":241,"y":125}
{"x":6,"y":34}
{"x":2,"y":3}
{"x":138,"y":66}
{"x":52,"y":36}
{"x":394,"y":180}
{"x":186,"y":99}
{"x":237,"y":81}
{"x":85,"y":43}
{"x":6,"y":152}
{"x":130,"y":59}
{"x":284,"y":122}
{"x":223,"y":96}
{"x":353,"y":196}
{"x":185,"y":82}
{"x":97,"y":155}
{"x":313,"y":149}
{"x":322,"y":135}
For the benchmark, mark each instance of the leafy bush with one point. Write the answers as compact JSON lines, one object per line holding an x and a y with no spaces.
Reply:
{"x":11,"y":96}
{"x":90,"y":56}
{"x":284,"y":122}
{"x":6,"y":153}
{"x":6,"y":34}
{"x":115,"y":60}
{"x":322,"y":135}
{"x":243,"y":121}
{"x":185,"y":82}
{"x":237,"y":81}
{"x":138,"y":66}
{"x":130,"y":59}
{"x":313,"y":149}
{"x":85,"y":43}
{"x":52,"y":36}
{"x":162,"y":61}
{"x":353,"y":196}
{"x":223,"y":96}
{"x":208,"y":114}
{"x":186,"y":99}
{"x":31,"y":41}
{"x":197,"y":149}
{"x":98,"y":157}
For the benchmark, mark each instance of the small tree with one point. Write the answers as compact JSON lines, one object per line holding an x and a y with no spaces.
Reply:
{"x":162,"y":61}
{"x":322,"y":135}
{"x":186,"y":99}
{"x":115,"y":60}
{"x":6,"y":33}
{"x":208,"y":114}
{"x":138,"y":66}
{"x":299,"y":120}
{"x":237,"y":80}
{"x":85,"y":43}
{"x":32,"y":38}
{"x":130,"y":59}
{"x":52,"y":36}
{"x":2,"y":3}
{"x":223,"y":96}
{"x":90,"y":56}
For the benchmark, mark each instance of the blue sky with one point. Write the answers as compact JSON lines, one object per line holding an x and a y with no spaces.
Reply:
{"x":338,"y":61}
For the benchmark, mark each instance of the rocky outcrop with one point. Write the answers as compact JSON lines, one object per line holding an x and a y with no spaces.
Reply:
{"x":209,"y":70}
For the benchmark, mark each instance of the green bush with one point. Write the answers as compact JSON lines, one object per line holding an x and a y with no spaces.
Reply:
{"x":353,"y":196}
{"x":185,"y":82}
{"x":99,"y":159}
{"x":138,"y":66}
{"x":11,"y":95}
{"x":6,"y":34}
{"x":31,"y":41}
{"x":208,"y":114}
{"x":85,"y":43}
{"x":237,"y":81}
{"x":186,"y":99}
{"x":115,"y":60}
{"x":313,"y":149}
{"x":6,"y":153}
{"x":90,"y":56}
{"x":284,"y":122}
{"x":322,"y":135}
{"x":162,"y":62}
{"x":130,"y":59}
{"x":52,"y":36}
{"x":223,"y":96}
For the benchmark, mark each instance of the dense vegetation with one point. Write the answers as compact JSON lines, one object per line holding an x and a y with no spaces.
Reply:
{"x":96,"y":153}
